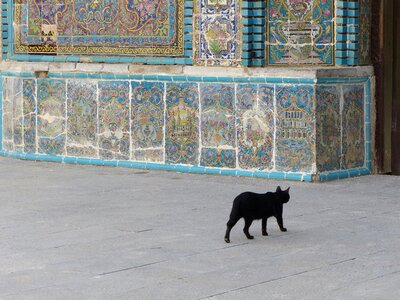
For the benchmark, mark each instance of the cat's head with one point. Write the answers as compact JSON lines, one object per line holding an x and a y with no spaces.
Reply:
{"x":283,"y":195}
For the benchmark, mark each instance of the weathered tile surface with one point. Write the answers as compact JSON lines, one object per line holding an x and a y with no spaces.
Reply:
{"x":255,"y":125}
{"x":328,"y":122}
{"x":182,"y":124}
{"x":114,"y":138}
{"x":29,"y":103}
{"x":147,"y":121}
{"x":51,"y":102}
{"x":82,"y":119}
{"x":353,"y":127}
{"x":295,"y":137}
{"x":300,"y":32}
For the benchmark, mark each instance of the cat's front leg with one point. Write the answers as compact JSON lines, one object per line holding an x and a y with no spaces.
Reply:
{"x":264,"y":226}
{"x":280,"y":223}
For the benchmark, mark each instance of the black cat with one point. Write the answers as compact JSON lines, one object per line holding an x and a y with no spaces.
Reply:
{"x":252,"y":206}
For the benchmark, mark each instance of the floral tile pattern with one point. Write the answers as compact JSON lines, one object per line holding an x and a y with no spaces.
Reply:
{"x":221,"y":158}
{"x":254,"y":126}
{"x":82,"y":119}
{"x":182,"y":124}
{"x":255,"y":120}
{"x":218,"y":125}
{"x":295,"y":137}
{"x":29,"y":104}
{"x":217,"y":32}
{"x":93,"y":27}
{"x":147,"y":121}
{"x":51,"y":116}
{"x":218,"y":116}
{"x":114,"y":137}
{"x":353,"y":127}
{"x":328,"y":121}
{"x":300,"y":32}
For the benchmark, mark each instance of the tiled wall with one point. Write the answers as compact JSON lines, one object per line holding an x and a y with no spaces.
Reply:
{"x":267,"y":127}
{"x":353,"y":32}
{"x":340,"y":126}
{"x":300,"y":32}
{"x":185,"y":32}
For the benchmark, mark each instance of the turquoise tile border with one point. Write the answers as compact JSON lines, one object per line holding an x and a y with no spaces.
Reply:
{"x":331,"y":175}
{"x":157,"y":166}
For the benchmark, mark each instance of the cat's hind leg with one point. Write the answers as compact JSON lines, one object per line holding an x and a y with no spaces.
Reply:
{"x":232,"y":222}
{"x":247,"y":224}
{"x":264,"y":226}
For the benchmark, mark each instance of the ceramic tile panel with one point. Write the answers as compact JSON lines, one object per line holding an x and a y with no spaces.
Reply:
{"x":107,"y":27}
{"x":51,"y":102}
{"x":8,"y":95}
{"x":220,"y":158}
{"x":114,"y":118}
{"x":18,"y":115}
{"x":300,"y":128}
{"x":217,"y":32}
{"x":182,"y":124}
{"x":328,"y":123}
{"x":147,"y":121}
{"x":82,"y":118}
{"x":218,"y":115}
{"x":29,"y":107}
{"x":149,"y":155}
{"x":255,"y":126}
{"x":295,"y":136}
{"x":365,"y":32}
{"x":300,"y":32}
{"x":353,"y":127}
{"x":224,"y":7}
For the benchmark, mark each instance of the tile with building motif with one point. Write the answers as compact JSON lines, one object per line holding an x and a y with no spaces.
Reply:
{"x":182,"y":124}
{"x":295,"y":123}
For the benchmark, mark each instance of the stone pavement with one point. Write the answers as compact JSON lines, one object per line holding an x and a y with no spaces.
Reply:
{"x":87,"y":232}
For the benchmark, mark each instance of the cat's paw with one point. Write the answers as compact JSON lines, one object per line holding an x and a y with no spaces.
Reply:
{"x":284,"y":229}
{"x":265,"y":233}
{"x":227,"y":240}
{"x":250,"y":237}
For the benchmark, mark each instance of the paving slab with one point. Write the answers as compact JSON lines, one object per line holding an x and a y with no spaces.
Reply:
{"x":90,"y":232}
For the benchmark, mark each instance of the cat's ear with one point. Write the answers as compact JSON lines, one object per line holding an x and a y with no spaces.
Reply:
{"x":278,"y":189}
{"x":287,"y":190}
